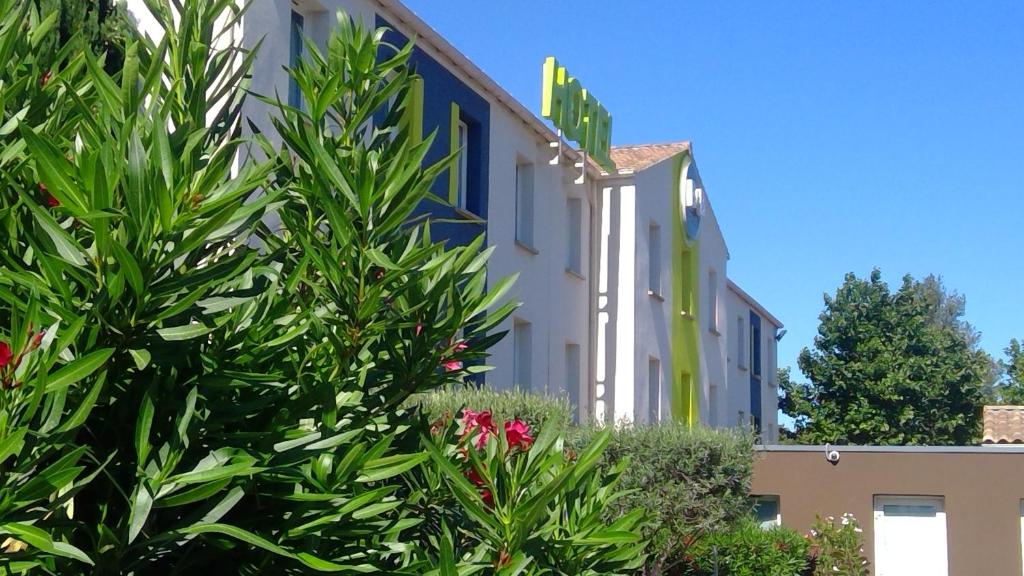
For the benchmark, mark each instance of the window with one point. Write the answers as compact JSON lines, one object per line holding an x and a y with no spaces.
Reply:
{"x":521,"y":343}
{"x":910,"y":536}
{"x":572,"y":377}
{"x":741,"y":344}
{"x":713,"y":404}
{"x":767,"y":511}
{"x":294,"y":57}
{"x":653,"y":390}
{"x":713,"y":301}
{"x":654,"y":258}
{"x":574,"y":211}
{"x":462,"y":182}
{"x":755,"y":349}
{"x":524,"y":204}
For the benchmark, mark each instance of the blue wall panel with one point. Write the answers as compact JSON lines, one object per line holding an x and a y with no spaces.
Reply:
{"x":755,"y":370}
{"x":440,"y":89}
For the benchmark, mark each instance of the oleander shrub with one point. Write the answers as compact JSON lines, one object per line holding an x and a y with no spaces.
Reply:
{"x":747,"y":549}
{"x":525,"y":505}
{"x":837,"y":546}
{"x":185,"y":388}
{"x":687,"y":481}
{"x":534,"y":409}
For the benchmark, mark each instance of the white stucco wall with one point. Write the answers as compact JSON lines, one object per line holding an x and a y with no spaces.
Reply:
{"x":738,"y":408}
{"x":556,"y":303}
{"x":714,"y":258}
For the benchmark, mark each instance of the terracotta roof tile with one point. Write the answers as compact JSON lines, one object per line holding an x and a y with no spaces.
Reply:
{"x":1003,"y":425}
{"x":642,"y":156}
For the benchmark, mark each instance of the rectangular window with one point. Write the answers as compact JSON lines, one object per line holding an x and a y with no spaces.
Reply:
{"x":741,"y":343}
{"x":294,"y":57}
{"x":654,"y":258}
{"x":653,"y":390}
{"x":713,"y":301}
{"x":461,"y":185}
{"x":524,"y":204}
{"x":767,"y":511}
{"x":572,"y":377}
{"x":574,"y":211}
{"x":910,"y":536}
{"x":522,"y":366}
{"x":713,"y":405}
{"x":755,"y":350}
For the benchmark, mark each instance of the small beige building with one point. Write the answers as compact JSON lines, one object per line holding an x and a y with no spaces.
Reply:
{"x":925,"y":510}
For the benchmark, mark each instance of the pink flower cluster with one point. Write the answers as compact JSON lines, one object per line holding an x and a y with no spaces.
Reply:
{"x":482,"y":424}
{"x":479,"y":428}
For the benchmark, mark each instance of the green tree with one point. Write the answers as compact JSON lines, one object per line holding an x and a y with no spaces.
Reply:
{"x":101,"y":25}
{"x":1011,"y":387}
{"x":889,"y":368}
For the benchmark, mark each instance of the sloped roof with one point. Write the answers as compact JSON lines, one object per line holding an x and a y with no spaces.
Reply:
{"x":642,"y":156}
{"x":1003,"y":425}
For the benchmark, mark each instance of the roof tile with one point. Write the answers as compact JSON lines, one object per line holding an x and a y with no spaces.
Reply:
{"x":642,"y":156}
{"x":1003,"y":425}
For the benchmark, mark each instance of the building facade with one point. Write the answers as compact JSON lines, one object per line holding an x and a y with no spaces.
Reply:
{"x":582,"y":237}
{"x":925,"y":510}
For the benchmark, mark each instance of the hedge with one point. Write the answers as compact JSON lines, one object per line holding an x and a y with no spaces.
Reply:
{"x":534,"y":409}
{"x":689,"y":481}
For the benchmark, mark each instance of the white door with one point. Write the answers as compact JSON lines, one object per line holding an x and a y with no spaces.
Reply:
{"x":910,"y":536}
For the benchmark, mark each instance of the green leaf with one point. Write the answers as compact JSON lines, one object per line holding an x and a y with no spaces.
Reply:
{"x":141,"y":357}
{"x":141,"y":506}
{"x":186,"y":332}
{"x":67,"y":247}
{"x":389,"y":466}
{"x":254,"y":540}
{"x":78,"y":369}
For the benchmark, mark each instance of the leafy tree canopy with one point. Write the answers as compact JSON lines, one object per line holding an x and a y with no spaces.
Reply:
{"x":1011,"y":386}
{"x":890,"y":368}
{"x":102,"y":25}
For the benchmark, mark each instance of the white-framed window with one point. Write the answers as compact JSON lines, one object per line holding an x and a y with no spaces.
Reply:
{"x":574,"y":228}
{"x":573,"y":369}
{"x":654,"y":258}
{"x":523,"y":357}
{"x":1022,"y":531}
{"x":767,"y":511}
{"x":713,"y":301}
{"x":525,"y":181}
{"x":462,"y":183}
{"x":910,"y":536}
{"x":741,"y":343}
{"x":653,"y":390}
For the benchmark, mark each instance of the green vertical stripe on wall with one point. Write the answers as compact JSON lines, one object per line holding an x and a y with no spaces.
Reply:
{"x":685,"y":299}
{"x":413,"y":117}
{"x":453,"y":172}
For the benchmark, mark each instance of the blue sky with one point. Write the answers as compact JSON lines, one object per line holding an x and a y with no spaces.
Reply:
{"x":831,"y":136}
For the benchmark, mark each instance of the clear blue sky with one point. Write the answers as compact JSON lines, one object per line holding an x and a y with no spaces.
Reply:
{"x":831,"y":136}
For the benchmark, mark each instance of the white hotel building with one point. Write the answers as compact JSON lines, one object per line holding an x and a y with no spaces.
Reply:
{"x":627,"y":308}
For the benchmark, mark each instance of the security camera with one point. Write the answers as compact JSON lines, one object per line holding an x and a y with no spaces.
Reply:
{"x":831,"y":454}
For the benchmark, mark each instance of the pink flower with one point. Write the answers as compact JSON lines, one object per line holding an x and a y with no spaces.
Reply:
{"x":51,"y":201}
{"x":5,"y":354}
{"x":419,"y":329}
{"x":461,"y":346}
{"x":485,"y":494}
{"x":518,"y":434}
{"x":481,"y":423}
{"x":452,"y":365}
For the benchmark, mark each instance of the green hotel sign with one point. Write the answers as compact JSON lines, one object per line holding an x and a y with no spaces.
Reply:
{"x":575,"y":111}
